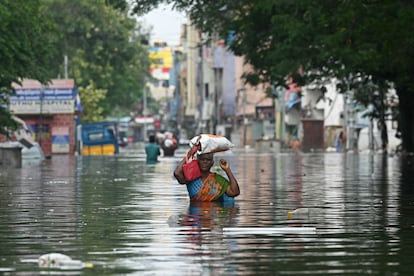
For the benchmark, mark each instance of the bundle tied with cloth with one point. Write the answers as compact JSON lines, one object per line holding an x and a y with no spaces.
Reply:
{"x":209,"y":143}
{"x":201,"y":144}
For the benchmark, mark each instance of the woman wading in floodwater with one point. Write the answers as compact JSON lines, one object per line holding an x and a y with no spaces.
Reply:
{"x":209,"y":186}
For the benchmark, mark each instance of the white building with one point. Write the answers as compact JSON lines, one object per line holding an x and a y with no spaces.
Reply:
{"x":340,"y":112}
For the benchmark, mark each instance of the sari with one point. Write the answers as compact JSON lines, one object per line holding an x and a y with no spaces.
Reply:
{"x":212,"y":188}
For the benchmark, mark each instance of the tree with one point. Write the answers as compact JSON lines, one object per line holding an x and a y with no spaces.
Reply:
{"x":103,"y":46}
{"x":91,"y":97}
{"x":356,"y":41}
{"x":27,"y":36}
{"x":102,"y":43}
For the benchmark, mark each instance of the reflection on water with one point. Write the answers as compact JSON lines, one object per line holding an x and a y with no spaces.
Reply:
{"x":129,"y":218}
{"x":205,"y":215}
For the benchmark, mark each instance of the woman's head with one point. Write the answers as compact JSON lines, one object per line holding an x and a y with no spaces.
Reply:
{"x":205,"y":161}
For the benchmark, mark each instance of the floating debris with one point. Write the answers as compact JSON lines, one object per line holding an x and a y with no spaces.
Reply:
{"x":61,"y":261}
{"x":269,"y":230}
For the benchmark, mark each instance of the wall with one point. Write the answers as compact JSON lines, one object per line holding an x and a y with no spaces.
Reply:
{"x":60,"y":129}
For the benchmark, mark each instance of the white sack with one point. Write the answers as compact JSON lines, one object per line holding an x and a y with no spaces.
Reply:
{"x":211,"y":143}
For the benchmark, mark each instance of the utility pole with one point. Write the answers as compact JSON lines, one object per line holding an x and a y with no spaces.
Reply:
{"x":349,"y":118}
{"x":282,"y":120}
{"x":244,"y":116}
{"x":66,"y":66}
{"x":218,"y":82}
{"x":166,"y":85}
{"x":243,"y":102}
{"x":40,"y":131}
{"x":345,"y":118}
{"x":144,"y":112}
{"x":279,"y":116}
{"x":371,"y":128}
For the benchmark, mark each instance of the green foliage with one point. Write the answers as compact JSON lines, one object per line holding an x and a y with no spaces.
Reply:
{"x":121,"y":5}
{"x":103,"y":45}
{"x":153,"y":106}
{"x":326,"y":38}
{"x":355,"y":41}
{"x":141,"y":7}
{"x":27,"y":36}
{"x":91,"y":98}
{"x":6,"y":122}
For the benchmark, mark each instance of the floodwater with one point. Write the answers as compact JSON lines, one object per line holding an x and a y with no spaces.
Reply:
{"x":129,"y":218}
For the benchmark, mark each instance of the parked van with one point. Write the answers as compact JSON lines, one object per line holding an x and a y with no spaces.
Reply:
{"x":99,"y":139}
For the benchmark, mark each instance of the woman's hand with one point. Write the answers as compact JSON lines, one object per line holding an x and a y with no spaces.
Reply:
{"x":224,"y":164}
{"x":233,"y":189}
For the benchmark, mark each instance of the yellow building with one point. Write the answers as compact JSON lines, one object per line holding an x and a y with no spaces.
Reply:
{"x":161,"y":58}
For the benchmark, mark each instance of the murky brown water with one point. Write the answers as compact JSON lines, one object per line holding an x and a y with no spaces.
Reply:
{"x":129,"y":218}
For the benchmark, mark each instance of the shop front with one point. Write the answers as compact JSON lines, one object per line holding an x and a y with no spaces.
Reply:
{"x":50,"y":112}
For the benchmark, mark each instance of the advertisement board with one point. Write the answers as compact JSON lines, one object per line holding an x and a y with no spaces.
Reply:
{"x":34,"y":98}
{"x":60,"y":139}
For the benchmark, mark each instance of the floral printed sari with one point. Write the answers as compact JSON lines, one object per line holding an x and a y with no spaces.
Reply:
{"x":210,"y":189}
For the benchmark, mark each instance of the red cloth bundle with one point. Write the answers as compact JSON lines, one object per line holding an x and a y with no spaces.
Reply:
{"x":191,"y":168}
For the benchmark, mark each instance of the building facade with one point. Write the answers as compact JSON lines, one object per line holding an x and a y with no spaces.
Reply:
{"x":50,"y":112}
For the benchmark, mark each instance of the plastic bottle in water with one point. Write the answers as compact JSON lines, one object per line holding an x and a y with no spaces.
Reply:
{"x":300,"y":213}
{"x":71,"y":265}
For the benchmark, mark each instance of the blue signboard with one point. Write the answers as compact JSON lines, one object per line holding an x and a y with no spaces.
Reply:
{"x":61,"y":96}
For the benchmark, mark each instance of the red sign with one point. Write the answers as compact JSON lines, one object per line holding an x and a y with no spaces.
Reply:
{"x":157,"y":123}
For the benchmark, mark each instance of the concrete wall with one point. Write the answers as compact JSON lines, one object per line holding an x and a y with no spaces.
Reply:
{"x":10,"y":156}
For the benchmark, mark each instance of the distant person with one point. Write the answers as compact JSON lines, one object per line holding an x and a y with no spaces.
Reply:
{"x":152,"y":150}
{"x":340,"y":142}
{"x":210,"y":186}
{"x":169,"y":145}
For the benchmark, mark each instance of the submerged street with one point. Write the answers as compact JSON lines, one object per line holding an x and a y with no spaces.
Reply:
{"x":129,"y":218}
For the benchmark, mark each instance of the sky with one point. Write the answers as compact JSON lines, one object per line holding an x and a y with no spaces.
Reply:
{"x":166,"y":24}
